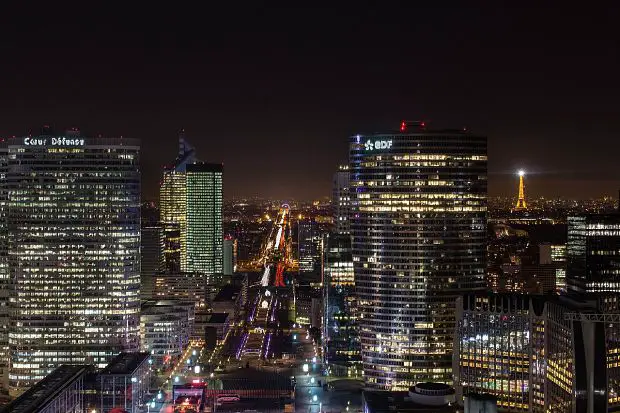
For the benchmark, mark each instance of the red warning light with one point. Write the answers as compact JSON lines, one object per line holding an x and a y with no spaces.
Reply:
{"x":403,"y":126}
{"x":423,"y":124}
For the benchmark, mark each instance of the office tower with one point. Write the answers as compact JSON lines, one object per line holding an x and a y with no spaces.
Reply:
{"x":173,"y":208}
{"x":341,"y":200}
{"x":539,"y":353}
{"x":419,"y":202}
{"x":5,"y":286}
{"x":592,"y":252}
{"x":230,"y":255}
{"x":191,"y":214}
{"x":151,"y":245}
{"x":151,"y":249}
{"x":308,"y":245}
{"x":73,"y":247}
{"x":340,"y":330}
{"x":204,"y":219}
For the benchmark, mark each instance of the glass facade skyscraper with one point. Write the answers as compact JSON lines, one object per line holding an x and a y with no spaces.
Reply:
{"x":205,"y":242}
{"x":539,"y":353}
{"x":418,"y":226}
{"x":191,"y":198}
{"x":308,"y":245}
{"x":340,"y":330}
{"x":173,"y":201}
{"x":72,"y":222}
{"x":341,"y":200}
{"x":592,"y":253}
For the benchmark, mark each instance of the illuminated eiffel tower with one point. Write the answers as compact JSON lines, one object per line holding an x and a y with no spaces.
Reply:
{"x":521,"y":204}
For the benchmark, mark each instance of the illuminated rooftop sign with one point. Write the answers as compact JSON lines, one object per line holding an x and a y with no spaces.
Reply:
{"x":59,"y":141}
{"x":371,"y":146}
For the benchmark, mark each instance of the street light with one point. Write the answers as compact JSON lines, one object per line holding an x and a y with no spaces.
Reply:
{"x":314,"y":398}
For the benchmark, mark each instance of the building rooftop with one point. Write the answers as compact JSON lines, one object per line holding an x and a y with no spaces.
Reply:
{"x":204,"y":167}
{"x":37,"y":397}
{"x":218,"y":318}
{"x":399,"y":401}
{"x":228,"y":293}
{"x":252,"y":379}
{"x":162,"y":305}
{"x":125,"y":363}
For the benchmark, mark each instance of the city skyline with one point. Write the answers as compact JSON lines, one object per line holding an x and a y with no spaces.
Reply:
{"x":352,"y":208}
{"x":300,"y":82}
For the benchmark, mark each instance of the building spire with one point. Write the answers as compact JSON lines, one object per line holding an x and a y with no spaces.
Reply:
{"x":521,"y":204}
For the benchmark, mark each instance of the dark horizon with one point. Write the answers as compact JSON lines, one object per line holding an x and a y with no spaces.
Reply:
{"x":275,"y":93}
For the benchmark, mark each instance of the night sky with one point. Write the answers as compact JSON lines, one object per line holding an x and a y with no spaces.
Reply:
{"x":275,"y":93}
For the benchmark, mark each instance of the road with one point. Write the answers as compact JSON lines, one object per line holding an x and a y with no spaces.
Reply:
{"x":262,"y":341}
{"x":311,"y":395}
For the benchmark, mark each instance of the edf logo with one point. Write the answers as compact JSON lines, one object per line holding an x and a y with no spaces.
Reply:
{"x":369,"y":145}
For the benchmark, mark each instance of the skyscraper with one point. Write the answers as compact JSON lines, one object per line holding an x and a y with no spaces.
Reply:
{"x":73,"y":247}
{"x":340,"y":330}
{"x":191,"y":214}
{"x":341,"y":200}
{"x":173,"y":208}
{"x":592,"y":253}
{"x":308,"y":245}
{"x":204,"y":242}
{"x":539,"y":353}
{"x":419,"y":202}
{"x":151,"y":246}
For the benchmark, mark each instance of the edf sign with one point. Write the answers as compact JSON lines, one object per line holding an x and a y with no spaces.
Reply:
{"x":371,"y":146}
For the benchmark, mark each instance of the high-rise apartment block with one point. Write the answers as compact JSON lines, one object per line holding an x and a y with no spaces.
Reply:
{"x":72,"y":226}
{"x":418,"y":226}
{"x":592,"y":250}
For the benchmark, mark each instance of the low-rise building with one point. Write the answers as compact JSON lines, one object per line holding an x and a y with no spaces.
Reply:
{"x":196,"y":287}
{"x":165,"y":328}
{"x":228,"y":300}
{"x":124,"y":382}
{"x":218,"y":325}
{"x":59,"y":392}
{"x":422,"y":398}
{"x":308,"y":306}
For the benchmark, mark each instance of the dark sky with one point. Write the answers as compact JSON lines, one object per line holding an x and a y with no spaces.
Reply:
{"x":275,"y":92}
